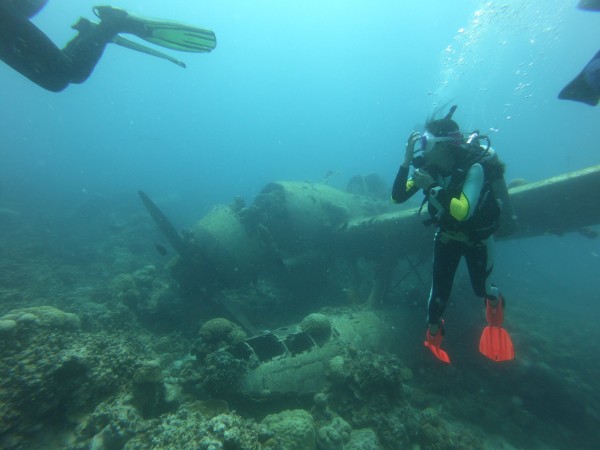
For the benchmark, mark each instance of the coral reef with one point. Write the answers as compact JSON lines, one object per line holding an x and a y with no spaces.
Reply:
{"x":335,"y":435}
{"x":148,"y":390}
{"x":111,"y":425}
{"x":366,"y":375}
{"x":292,"y":430}
{"x":99,"y":350}
{"x":364,"y":439}
{"x":26,"y":319}
{"x":190,"y":429}
{"x":51,"y":371}
{"x":222,"y":373}
{"x":216,"y":334}
{"x":318,"y":326}
{"x":152,"y":299}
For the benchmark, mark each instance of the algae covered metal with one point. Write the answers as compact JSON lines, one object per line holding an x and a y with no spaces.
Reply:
{"x":295,"y":359}
{"x":309,"y":225}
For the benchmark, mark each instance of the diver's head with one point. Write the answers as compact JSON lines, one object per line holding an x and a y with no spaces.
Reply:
{"x":439,"y":144}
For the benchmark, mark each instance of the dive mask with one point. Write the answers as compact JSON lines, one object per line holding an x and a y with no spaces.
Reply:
{"x":427,"y":142}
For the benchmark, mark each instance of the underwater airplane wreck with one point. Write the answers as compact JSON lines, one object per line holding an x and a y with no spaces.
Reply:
{"x":291,"y":225}
{"x":292,"y":222}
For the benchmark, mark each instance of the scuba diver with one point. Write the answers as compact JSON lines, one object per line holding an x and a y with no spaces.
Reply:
{"x":29,"y":51}
{"x":463,"y":182}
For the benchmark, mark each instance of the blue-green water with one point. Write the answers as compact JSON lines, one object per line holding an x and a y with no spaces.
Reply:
{"x":298,"y":88}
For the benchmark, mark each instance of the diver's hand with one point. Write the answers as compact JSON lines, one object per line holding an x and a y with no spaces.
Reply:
{"x":422,"y":179}
{"x":410,"y":147}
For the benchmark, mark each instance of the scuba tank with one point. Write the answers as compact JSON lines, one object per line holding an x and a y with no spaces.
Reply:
{"x":482,"y":143}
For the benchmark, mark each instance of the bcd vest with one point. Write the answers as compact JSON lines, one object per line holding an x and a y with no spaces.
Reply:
{"x":486,"y":217}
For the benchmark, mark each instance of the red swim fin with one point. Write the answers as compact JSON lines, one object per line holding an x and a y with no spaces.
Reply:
{"x":434,"y":342}
{"x":495,"y":343}
{"x":438,"y":352}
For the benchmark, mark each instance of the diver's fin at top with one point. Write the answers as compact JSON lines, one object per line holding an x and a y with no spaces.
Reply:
{"x":580,"y":89}
{"x":120,"y":40}
{"x":589,"y":5}
{"x":173,"y":35}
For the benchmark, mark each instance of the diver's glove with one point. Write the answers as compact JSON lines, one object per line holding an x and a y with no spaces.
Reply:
{"x":410,"y":147}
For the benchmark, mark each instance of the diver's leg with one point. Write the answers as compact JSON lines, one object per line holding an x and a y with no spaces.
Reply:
{"x":30,"y":52}
{"x":446,"y":256}
{"x":480,"y":262}
{"x":85,"y":50}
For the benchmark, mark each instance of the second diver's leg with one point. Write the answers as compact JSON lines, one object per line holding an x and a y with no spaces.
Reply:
{"x":85,"y":50}
{"x":29,"y":51}
{"x":25,"y":48}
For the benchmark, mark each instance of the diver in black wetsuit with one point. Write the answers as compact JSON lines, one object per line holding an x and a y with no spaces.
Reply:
{"x":29,"y":51}
{"x":462,"y":181}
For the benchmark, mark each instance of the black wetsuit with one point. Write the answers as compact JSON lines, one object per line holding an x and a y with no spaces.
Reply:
{"x":29,"y":51}
{"x":463,"y":229}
